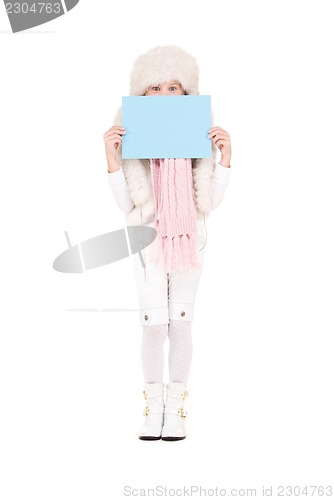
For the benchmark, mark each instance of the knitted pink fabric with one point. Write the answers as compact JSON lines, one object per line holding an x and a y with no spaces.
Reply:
{"x":175,"y":247}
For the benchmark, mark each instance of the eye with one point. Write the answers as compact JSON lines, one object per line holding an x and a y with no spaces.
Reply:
{"x":172,"y":88}
{"x":156,"y":88}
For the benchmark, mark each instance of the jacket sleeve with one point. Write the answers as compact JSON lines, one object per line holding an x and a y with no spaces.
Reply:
{"x":119,"y":187}
{"x":220,"y":180}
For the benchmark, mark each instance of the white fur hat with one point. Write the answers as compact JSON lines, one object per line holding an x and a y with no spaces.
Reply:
{"x":163,"y":64}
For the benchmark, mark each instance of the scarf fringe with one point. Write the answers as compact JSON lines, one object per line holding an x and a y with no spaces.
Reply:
{"x":175,"y":248}
{"x":177,"y":253}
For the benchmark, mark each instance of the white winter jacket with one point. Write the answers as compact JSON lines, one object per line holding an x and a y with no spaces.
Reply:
{"x":132,"y":185}
{"x":119,"y":186}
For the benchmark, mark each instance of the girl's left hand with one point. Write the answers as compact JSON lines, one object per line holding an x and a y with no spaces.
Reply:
{"x":222,"y":140}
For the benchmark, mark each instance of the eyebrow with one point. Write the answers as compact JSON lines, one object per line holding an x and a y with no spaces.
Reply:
{"x":172,"y":83}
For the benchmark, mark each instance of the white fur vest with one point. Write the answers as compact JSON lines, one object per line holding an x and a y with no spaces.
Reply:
{"x":138,"y":177}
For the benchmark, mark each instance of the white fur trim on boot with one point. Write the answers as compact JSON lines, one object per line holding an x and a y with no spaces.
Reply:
{"x":153,"y":412}
{"x":174,"y":427}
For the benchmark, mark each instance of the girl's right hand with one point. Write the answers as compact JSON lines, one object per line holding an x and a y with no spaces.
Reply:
{"x":112,"y":139}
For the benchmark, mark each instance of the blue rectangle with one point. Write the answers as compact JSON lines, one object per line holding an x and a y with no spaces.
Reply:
{"x":166,"y":126}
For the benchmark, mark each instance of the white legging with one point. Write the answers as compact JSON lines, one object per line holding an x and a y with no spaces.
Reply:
{"x":167,"y":309}
{"x":180,"y":351}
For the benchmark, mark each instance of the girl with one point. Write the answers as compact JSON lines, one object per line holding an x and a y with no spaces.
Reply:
{"x":174,"y":196}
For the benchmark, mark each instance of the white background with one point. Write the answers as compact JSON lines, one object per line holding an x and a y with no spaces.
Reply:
{"x":261,"y":385}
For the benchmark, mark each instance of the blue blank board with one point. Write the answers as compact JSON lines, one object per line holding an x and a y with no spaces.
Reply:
{"x":166,"y":126}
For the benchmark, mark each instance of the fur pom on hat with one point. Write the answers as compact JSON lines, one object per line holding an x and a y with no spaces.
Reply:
{"x":163,"y":64}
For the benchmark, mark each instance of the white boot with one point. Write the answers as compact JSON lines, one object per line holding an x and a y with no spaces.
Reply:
{"x":174,"y":427}
{"x":153,"y":412}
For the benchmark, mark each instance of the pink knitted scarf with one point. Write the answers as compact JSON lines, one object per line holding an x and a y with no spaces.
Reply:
{"x":175,"y":247}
